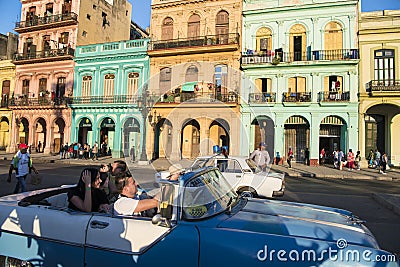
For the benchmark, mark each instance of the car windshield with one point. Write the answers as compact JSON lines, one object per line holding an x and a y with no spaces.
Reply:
{"x":202,"y":162}
{"x":206,"y":195}
{"x":253,"y":166}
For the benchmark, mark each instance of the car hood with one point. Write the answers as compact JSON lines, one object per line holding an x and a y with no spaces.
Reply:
{"x":300,"y":220}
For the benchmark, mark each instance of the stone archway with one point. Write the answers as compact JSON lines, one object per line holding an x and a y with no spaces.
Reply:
{"x":297,"y":136}
{"x":40,"y":135}
{"x":4,"y":133}
{"x":264,"y":131}
{"x":332,"y":136}
{"x":58,"y":135}
{"x":190,"y":139}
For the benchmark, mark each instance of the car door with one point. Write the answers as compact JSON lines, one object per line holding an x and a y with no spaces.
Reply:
{"x":135,"y":241}
{"x":231,"y":170}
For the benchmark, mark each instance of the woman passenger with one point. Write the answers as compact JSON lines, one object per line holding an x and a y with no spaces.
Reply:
{"x":87,"y":196}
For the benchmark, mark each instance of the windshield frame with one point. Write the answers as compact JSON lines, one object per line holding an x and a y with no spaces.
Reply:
{"x":216,"y":194}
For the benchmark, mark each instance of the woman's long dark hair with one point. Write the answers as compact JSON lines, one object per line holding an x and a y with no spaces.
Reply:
{"x":93,"y":175}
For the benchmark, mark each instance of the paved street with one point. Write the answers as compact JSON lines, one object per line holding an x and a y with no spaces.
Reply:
{"x":355,"y":195}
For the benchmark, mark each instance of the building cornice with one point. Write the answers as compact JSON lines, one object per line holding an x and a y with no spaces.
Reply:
{"x":112,"y":58}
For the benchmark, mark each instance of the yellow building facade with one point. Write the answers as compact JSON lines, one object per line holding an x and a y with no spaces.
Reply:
{"x":379,"y":120}
{"x":194,"y":77}
{"x":7,"y":82}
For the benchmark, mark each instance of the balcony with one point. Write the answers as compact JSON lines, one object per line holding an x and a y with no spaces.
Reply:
{"x":36,"y":102}
{"x":275,"y":57}
{"x":333,"y":97}
{"x":46,"y":22}
{"x":383,"y":88}
{"x":262,"y":98}
{"x":210,"y":43}
{"x":44,"y":56}
{"x":116,"y":99}
{"x":296,"y":97}
{"x":192,"y":97}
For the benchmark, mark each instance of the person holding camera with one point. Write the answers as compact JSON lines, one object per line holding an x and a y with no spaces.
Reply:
{"x":107,"y":176}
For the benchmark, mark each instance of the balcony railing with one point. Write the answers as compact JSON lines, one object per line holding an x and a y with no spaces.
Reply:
{"x":51,"y":53}
{"x":333,"y":96}
{"x":191,"y":97}
{"x":210,"y":40}
{"x":116,"y":99}
{"x":296,"y":97}
{"x":46,"y":20}
{"x":383,"y":86}
{"x":41,"y":101}
{"x":262,"y":97}
{"x":273,"y":57}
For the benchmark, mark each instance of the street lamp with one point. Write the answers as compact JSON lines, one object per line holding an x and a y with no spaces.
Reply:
{"x":154,"y":120}
{"x":145,"y":103}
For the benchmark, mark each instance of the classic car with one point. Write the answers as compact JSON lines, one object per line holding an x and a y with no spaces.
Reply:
{"x":201,"y":222}
{"x":245,"y":176}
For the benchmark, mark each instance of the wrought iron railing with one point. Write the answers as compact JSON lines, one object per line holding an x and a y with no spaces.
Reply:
{"x":296,"y":97}
{"x":41,"y":101}
{"x":209,"y":40}
{"x":274,"y":57}
{"x":67,"y":51}
{"x":115,"y":99}
{"x":383,"y":86}
{"x":262,"y":97}
{"x":333,"y":96}
{"x":38,"y":21}
{"x":192,"y":97}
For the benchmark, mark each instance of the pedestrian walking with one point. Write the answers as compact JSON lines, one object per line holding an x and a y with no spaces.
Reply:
{"x":350,"y":160}
{"x":307,"y":156}
{"x":95,"y":151}
{"x":322,"y":156}
{"x":383,"y":163}
{"x":335,"y":158}
{"x":340,"y":158}
{"x":370,"y":159}
{"x":22,"y":164}
{"x":61,"y":151}
{"x":377,"y":159}
{"x":289,"y":157}
{"x":132,"y":154}
{"x":277,"y":158}
{"x":39,"y":147}
{"x":261,"y":156}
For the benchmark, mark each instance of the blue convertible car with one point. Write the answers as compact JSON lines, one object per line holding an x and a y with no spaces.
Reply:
{"x":201,"y":222}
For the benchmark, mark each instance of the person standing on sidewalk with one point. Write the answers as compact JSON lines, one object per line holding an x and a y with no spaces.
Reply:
{"x":357,"y":160}
{"x":289,"y":157}
{"x":307,"y":156}
{"x":95,"y":151}
{"x":322,"y":156}
{"x":350,"y":160}
{"x":22,"y":163}
{"x":340,"y":158}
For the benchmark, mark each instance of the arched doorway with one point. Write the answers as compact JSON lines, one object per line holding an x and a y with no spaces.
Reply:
{"x":58,"y":135}
{"x":40,"y":135}
{"x":297,"y":136}
{"x":23,"y":133}
{"x":107,"y":132}
{"x":219,"y":134}
{"x":264,"y":131}
{"x":190,"y":139}
{"x":4,"y":133}
{"x":332,"y":136}
{"x":131,"y":138}
{"x":162,"y":139}
{"x":85,"y":131}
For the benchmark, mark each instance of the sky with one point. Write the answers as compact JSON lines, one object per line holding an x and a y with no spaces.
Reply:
{"x":11,"y":11}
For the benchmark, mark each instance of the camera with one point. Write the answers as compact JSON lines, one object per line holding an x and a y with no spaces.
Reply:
{"x":109,"y":168}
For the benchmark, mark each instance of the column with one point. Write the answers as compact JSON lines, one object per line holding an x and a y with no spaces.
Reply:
{"x":314,"y":139}
{"x":279,"y":135}
{"x":14,"y":132}
{"x":175,"y":153}
{"x":245,"y":141}
{"x":117,"y":151}
{"x":49,"y":139}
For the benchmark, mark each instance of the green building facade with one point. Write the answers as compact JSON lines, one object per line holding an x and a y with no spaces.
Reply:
{"x":107,"y":80}
{"x":301,"y":63}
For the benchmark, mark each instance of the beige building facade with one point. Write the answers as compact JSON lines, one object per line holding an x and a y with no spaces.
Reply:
{"x":195,"y":78}
{"x":379,"y":120}
{"x":7,"y":82}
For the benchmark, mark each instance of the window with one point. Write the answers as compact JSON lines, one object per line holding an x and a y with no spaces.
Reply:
{"x":194,"y":26}
{"x":133,"y":83}
{"x":297,"y":42}
{"x":84,"y":33}
{"x":46,"y":43}
{"x":192,"y":74}
{"x":220,"y":78}
{"x":25,"y":87}
{"x":165,"y":80}
{"x":384,"y":68}
{"x":60,"y":87}
{"x":5,"y":93}
{"x":263,"y":39}
{"x":222,"y":27}
{"x":86,"y":86}
{"x":264,"y":85}
{"x":42,"y":85}
{"x":333,"y":36}
{"x":297,"y":85}
{"x":109,"y":84}
{"x":63,"y":40}
{"x":167,"y":31}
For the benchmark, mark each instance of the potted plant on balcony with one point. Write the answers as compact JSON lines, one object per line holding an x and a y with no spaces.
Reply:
{"x":276,"y":60}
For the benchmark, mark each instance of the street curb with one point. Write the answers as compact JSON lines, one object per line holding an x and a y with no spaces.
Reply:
{"x":386,"y":202}
{"x":319,"y":176}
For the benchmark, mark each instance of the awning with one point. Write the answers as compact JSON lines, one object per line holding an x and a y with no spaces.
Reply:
{"x":188,"y":87}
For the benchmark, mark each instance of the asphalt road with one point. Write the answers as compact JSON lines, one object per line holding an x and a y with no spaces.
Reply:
{"x":353,"y":195}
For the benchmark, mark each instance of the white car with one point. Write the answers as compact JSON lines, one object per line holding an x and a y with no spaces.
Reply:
{"x":245,"y":177}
